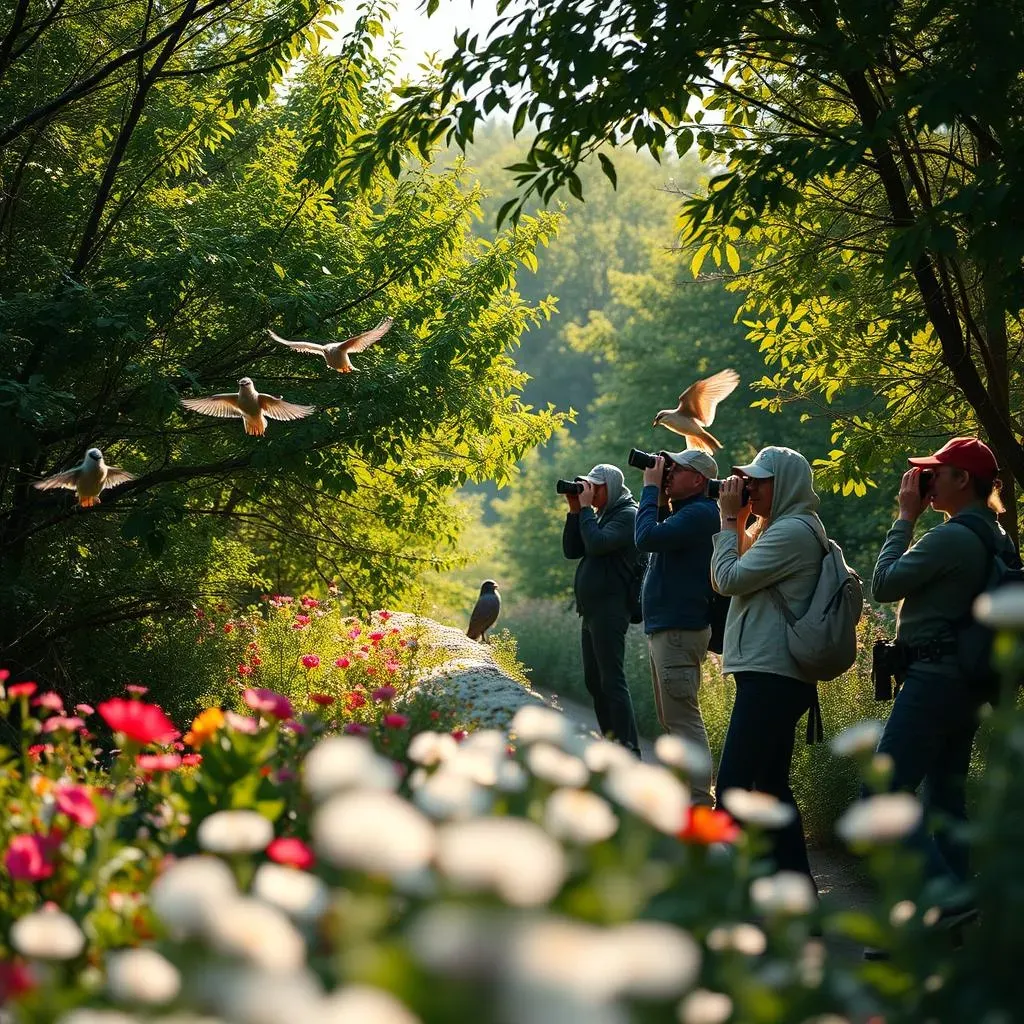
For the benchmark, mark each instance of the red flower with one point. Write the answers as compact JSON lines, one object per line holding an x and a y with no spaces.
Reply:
{"x":191,"y":760}
{"x":293,"y":852}
{"x":309,"y":602}
{"x":395,"y":720}
{"x":5,"y":674}
{"x":354,"y":700}
{"x":705,"y":825}
{"x":76,"y":803}
{"x":384,"y":693}
{"x":301,"y":621}
{"x":244,"y":670}
{"x":159,"y":762}
{"x":21,"y":690}
{"x":268,"y":703}
{"x":342,"y":663}
{"x":30,"y":858}
{"x":459,"y":735}
{"x":50,"y":700}
{"x":229,"y":627}
{"x":323,"y":699}
{"x":16,"y":978}
{"x":144,"y":723}
{"x":375,"y":638}
{"x":139,"y":691}
{"x":311,"y":661}
{"x":435,"y":715}
{"x":38,"y":749}
{"x":357,"y":729}
{"x":255,"y":660}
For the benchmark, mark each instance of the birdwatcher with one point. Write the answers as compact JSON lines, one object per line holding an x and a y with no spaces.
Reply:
{"x":676,"y":524}
{"x":934,"y":718}
{"x":599,"y":532}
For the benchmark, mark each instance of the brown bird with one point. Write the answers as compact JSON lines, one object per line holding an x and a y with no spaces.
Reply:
{"x":255,"y":409}
{"x":696,"y":410}
{"x":88,"y":479}
{"x":485,"y":611}
{"x":336,"y":353}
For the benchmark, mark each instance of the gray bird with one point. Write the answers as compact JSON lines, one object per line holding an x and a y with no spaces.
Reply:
{"x":336,"y":353}
{"x":485,"y":611}
{"x":696,"y":410}
{"x":88,"y":479}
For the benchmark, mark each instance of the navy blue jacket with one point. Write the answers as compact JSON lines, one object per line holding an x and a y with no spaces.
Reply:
{"x":677,"y":584}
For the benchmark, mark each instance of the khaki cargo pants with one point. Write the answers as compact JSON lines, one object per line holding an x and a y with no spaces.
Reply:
{"x":676,"y":655}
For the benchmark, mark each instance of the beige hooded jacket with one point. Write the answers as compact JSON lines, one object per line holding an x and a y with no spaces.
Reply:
{"x":787,"y":555}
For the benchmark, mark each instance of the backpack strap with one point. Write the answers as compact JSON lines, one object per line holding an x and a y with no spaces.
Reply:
{"x":984,"y":532}
{"x":773,"y":591}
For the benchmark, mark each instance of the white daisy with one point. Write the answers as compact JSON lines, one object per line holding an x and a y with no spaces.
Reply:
{"x":430,"y":748}
{"x":1002,"y":609}
{"x":298,"y":893}
{"x":141,"y":976}
{"x":552,"y":765}
{"x":180,"y":896}
{"x":759,"y":809}
{"x":448,"y":794}
{"x":654,"y":960}
{"x":579,"y":816}
{"x":860,"y":738}
{"x":259,"y":933}
{"x":885,"y":818}
{"x":365,"y":1005}
{"x":684,"y":754}
{"x":235,"y":832}
{"x":535,"y":723}
{"x":603,"y":755}
{"x":787,"y":892}
{"x":650,"y":792}
{"x":705,"y":1007}
{"x":346,"y":762}
{"x":47,"y":934}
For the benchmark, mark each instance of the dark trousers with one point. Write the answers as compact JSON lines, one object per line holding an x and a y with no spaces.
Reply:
{"x":758,"y":752}
{"x":603,"y":642}
{"x":929,"y":736}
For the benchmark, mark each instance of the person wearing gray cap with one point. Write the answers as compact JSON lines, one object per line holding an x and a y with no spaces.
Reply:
{"x":599,"y":532}
{"x":676,"y":524}
{"x":779,"y":555}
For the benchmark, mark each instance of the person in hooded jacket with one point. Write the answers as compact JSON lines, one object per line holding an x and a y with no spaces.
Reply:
{"x":781,"y":551}
{"x":599,"y":532}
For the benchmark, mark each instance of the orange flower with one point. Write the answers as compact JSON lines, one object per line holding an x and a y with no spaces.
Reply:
{"x":705,"y":825}
{"x":204,"y":725}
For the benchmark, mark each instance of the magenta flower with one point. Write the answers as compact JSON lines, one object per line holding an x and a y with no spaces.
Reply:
{"x":139,"y":691}
{"x":241,"y":723}
{"x":76,"y":803}
{"x":268,"y":702}
{"x":392,"y":666}
{"x":144,"y":723}
{"x":191,"y":760}
{"x":357,"y":729}
{"x":72,"y":724}
{"x":293,"y":852}
{"x":158,"y":762}
{"x":50,"y":700}
{"x":85,"y":709}
{"x":383,"y":693}
{"x":30,"y":858}
{"x":342,"y":663}
{"x":395,"y":720}
{"x":21,"y":690}
{"x":311,"y":661}
{"x":354,"y":632}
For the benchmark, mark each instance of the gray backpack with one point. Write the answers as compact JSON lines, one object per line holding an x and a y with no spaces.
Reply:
{"x":823,"y":641}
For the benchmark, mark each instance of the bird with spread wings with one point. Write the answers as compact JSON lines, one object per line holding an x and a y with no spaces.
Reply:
{"x":696,"y":410}
{"x":254,"y":408}
{"x":336,"y":353}
{"x":88,"y":479}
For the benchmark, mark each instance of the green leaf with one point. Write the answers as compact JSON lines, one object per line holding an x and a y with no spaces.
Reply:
{"x":609,"y":169}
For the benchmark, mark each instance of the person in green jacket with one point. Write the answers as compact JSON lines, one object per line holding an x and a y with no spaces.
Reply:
{"x":599,"y":532}
{"x":930,"y":731}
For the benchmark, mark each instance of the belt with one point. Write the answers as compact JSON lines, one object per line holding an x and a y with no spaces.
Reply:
{"x":934,"y":650}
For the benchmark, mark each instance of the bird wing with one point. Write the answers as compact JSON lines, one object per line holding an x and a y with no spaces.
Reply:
{"x":67,"y":479}
{"x":485,"y":613}
{"x":279,"y":409}
{"x":701,"y":399}
{"x":312,"y":347}
{"x":215,"y":405}
{"x":361,"y":342}
{"x":116,"y":475}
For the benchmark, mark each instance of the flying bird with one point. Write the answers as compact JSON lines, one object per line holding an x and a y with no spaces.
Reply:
{"x":696,"y":410}
{"x":336,"y":353}
{"x":485,"y":611}
{"x":254,"y":408}
{"x":88,"y":479}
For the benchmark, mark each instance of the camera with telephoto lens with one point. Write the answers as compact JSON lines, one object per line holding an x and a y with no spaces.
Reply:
{"x":568,"y":487}
{"x":888,"y":668}
{"x":924,"y":481}
{"x":642,"y":460}
{"x":714,"y":488}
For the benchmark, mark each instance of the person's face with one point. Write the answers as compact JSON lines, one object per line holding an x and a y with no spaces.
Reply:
{"x":761,"y":492}
{"x":600,"y":496}
{"x":682,"y":481}
{"x":947,"y":489}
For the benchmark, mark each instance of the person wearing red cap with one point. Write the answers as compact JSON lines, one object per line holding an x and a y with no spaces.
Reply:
{"x":931,"y":728}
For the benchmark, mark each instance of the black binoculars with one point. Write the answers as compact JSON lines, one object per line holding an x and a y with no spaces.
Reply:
{"x":924,"y":481}
{"x":643,"y":460}
{"x":568,"y":487}
{"x":888,"y":668}
{"x":714,"y":488}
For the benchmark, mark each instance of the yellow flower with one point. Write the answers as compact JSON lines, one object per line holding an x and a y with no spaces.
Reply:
{"x":204,"y":725}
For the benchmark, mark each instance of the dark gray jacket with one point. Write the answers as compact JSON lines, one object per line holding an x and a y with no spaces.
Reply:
{"x":607,"y":552}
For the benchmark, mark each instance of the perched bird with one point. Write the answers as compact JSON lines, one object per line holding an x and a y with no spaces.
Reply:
{"x":88,"y":479}
{"x":696,"y":410}
{"x":254,"y":408}
{"x":485,"y":611}
{"x":336,"y":353}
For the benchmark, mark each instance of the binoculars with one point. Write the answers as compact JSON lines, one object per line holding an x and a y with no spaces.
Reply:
{"x":924,"y":481}
{"x":645,"y":460}
{"x":568,"y":487}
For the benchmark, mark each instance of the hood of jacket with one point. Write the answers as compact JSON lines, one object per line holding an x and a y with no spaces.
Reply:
{"x":618,"y":493}
{"x":793,"y":484}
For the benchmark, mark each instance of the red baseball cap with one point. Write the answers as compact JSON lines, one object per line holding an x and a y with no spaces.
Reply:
{"x":966,"y":453}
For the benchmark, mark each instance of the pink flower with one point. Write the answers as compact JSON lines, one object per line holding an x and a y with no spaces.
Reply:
{"x":38,"y":749}
{"x":241,"y":723}
{"x":342,"y":663}
{"x":139,"y":691}
{"x":56,"y":722}
{"x":311,"y":661}
{"x":301,"y":622}
{"x":395,"y":720}
{"x":5,"y":674}
{"x":191,"y":760}
{"x":323,"y":699}
{"x":392,"y":666}
{"x":357,"y":729}
{"x":354,"y":632}
{"x":158,"y":762}
{"x":459,"y":735}
{"x":384,"y":693}
{"x":244,"y":670}
{"x":144,"y":723}
{"x":49,"y":700}
{"x":76,"y":803}
{"x":85,"y":709}
{"x":21,"y":690}
{"x":293,"y":852}
{"x":361,"y":655}
{"x":296,"y":727}
{"x":384,"y":616}
{"x":268,"y":702}
{"x":30,"y":858}
{"x":309,"y":602}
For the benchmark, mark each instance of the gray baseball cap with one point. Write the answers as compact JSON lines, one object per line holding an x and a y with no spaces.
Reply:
{"x":760,"y":468}
{"x":694,"y":458}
